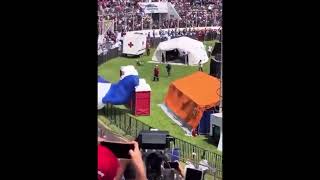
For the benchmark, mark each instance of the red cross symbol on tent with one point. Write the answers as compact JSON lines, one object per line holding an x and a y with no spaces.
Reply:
{"x":130,"y":44}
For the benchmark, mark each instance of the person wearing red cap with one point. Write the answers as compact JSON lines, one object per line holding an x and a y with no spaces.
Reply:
{"x":109,"y":167}
{"x":108,"y":164}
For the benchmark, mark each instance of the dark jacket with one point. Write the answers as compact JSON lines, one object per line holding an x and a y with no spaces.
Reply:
{"x":168,"y":66}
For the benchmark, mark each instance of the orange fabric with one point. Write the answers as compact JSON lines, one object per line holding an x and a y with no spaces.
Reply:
{"x":190,"y":96}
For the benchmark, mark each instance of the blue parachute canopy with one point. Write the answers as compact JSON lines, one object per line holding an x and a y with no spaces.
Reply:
{"x":102,"y":80}
{"x":120,"y":93}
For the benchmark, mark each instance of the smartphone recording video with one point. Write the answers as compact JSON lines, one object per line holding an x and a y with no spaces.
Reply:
{"x":193,"y":174}
{"x":174,"y":165}
{"x":121,"y":150}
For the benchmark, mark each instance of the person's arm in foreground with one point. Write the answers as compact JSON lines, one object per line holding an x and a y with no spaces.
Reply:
{"x":137,"y":162}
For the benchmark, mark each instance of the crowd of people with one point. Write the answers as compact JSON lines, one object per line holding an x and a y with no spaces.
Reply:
{"x":110,"y":167}
{"x":197,"y":13}
{"x":189,"y":32}
{"x":114,"y":39}
{"x":129,"y":16}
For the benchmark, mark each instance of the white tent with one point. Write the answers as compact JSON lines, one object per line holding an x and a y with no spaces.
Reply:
{"x":195,"y":49}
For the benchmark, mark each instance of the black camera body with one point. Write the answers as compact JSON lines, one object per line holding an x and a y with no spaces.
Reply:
{"x":154,"y":145}
{"x":154,"y":140}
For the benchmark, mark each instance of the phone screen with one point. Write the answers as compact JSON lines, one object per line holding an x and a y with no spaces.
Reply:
{"x":193,"y":174}
{"x":121,"y":150}
{"x":174,"y":165}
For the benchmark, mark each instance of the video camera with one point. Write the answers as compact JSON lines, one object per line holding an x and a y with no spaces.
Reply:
{"x":154,"y":145}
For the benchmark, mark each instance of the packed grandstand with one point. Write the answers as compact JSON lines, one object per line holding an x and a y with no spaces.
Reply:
{"x":116,"y":17}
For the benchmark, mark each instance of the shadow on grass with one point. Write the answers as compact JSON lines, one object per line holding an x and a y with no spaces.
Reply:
{"x":122,"y":109}
{"x":101,"y":112}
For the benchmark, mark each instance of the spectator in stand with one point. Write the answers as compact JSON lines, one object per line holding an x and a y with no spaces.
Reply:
{"x":108,"y":164}
{"x":128,"y":16}
{"x":203,"y":164}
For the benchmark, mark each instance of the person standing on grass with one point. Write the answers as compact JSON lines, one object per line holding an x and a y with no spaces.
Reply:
{"x":200,"y":66}
{"x":185,"y":57}
{"x":148,"y":48}
{"x":168,"y":67}
{"x":156,"y":73}
{"x":162,"y":58}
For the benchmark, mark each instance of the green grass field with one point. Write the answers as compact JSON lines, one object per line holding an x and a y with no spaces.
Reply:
{"x":158,"y":119}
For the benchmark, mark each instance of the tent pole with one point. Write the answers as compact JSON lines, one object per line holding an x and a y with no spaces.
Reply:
{"x":159,"y":21}
{"x":206,"y":18}
{"x":116,"y":21}
{"x":221,"y":74}
{"x":197,"y":19}
{"x":142,"y":23}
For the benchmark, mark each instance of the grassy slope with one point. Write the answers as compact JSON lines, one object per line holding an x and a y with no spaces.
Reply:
{"x":157,"y":119}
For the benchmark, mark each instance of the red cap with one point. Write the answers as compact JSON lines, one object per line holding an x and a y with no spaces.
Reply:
{"x":108,"y":164}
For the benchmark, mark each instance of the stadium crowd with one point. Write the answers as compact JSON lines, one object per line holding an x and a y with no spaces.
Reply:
{"x":127,"y":15}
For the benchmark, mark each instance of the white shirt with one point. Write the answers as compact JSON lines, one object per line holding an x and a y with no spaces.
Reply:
{"x":189,"y":165}
{"x":203,"y":165}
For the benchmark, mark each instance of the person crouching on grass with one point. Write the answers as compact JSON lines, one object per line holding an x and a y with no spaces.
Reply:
{"x":156,"y":73}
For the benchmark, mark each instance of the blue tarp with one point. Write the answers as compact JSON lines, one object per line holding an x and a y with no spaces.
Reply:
{"x":102,"y":80}
{"x":121,"y":92}
{"x":204,"y":125}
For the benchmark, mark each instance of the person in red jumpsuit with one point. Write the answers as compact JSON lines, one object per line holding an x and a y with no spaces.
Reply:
{"x":156,"y":73}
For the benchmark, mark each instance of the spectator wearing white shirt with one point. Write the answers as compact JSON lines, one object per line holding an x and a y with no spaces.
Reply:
{"x":209,"y":50}
{"x":203,"y":164}
{"x":189,"y":165}
{"x":200,"y":66}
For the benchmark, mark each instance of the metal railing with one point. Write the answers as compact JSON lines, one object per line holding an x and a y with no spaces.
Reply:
{"x":131,"y":126}
{"x":112,"y":53}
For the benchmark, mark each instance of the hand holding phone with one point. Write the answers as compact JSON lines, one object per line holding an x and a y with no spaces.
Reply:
{"x":168,"y":165}
{"x":121,"y":150}
{"x":137,"y":161}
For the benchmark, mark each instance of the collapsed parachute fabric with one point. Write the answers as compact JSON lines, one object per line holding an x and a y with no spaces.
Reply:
{"x":117,"y":93}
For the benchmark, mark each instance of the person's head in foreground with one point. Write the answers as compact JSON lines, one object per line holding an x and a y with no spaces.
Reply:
{"x":110,"y":168}
{"x":108,"y":164}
